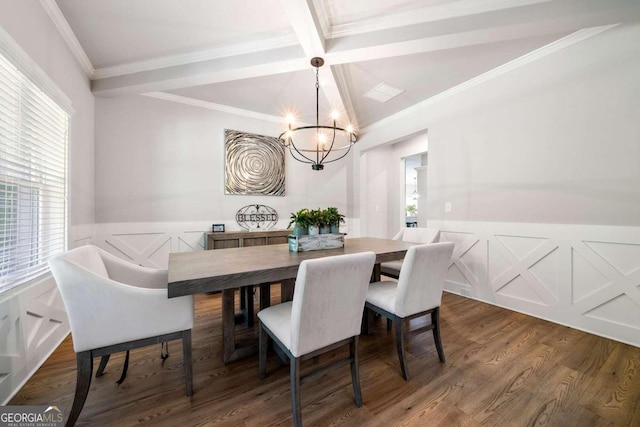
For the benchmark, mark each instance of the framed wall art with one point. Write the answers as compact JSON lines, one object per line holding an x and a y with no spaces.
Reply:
{"x":254,"y":164}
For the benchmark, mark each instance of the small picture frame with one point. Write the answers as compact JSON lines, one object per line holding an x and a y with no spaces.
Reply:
{"x":217,"y":228}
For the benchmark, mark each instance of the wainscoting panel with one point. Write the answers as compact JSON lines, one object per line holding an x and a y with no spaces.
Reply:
{"x":33,"y":322}
{"x":586,"y":277}
{"x":149,"y":244}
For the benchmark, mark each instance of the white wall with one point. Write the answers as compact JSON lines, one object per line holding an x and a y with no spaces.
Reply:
{"x":32,"y":317}
{"x":550,"y":139}
{"x":375,"y":194}
{"x":382,"y":177}
{"x":555,"y":141}
{"x":160,"y":161}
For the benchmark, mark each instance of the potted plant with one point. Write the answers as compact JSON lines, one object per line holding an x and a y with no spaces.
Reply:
{"x":324,"y":221}
{"x":335,"y":219}
{"x":300,"y":221}
{"x":315,"y":218}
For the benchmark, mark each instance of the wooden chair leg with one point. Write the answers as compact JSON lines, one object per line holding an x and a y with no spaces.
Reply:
{"x":263,"y":342}
{"x":187,"y":360}
{"x":295,"y":391}
{"x":103,"y":364}
{"x":399,"y":326}
{"x":84,"y":362}
{"x":355,"y":372}
{"x":435,"y":321}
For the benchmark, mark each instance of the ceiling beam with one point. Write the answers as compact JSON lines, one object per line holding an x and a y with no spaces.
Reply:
{"x":275,"y":61}
{"x":306,"y":26}
{"x":554,"y":17}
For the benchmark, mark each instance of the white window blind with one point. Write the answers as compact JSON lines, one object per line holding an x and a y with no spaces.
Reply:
{"x":33,"y":152}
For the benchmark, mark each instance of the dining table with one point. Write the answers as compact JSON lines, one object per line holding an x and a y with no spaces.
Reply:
{"x":229,"y":269}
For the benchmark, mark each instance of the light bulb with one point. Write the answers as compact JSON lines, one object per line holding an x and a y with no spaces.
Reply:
{"x":290,"y":118}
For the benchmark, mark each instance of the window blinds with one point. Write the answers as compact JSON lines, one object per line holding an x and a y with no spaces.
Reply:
{"x":33,"y":152}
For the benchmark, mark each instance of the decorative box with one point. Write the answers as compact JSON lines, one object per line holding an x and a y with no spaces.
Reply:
{"x":316,"y":243}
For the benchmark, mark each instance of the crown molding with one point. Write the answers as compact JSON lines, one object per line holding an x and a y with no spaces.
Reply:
{"x":530,"y":57}
{"x":418,"y":16}
{"x":52,"y":9}
{"x":28,"y":67}
{"x":213,"y":106}
{"x":322,"y":13}
{"x":264,"y":44}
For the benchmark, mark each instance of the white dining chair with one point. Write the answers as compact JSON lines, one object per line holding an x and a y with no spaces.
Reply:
{"x":418,"y":292}
{"x":326,"y":313}
{"x":409,"y":234}
{"x":116,"y":306}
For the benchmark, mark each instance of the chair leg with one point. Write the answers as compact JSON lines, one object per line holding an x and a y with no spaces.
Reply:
{"x":355,"y":372}
{"x":399,"y":326}
{"x":435,"y":321}
{"x":84,"y":362}
{"x":187,"y":360}
{"x":263,"y":341}
{"x":103,"y":364}
{"x":295,"y":391}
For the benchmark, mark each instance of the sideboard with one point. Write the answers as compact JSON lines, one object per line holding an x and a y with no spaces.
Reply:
{"x":240,"y":239}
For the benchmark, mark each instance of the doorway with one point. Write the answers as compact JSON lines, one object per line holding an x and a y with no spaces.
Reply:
{"x":415,"y":186}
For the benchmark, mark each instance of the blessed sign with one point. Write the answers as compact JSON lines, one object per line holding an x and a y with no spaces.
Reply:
{"x":256,"y":217}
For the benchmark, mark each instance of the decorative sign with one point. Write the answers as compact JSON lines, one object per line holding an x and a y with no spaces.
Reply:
{"x":257,"y":217}
{"x":254,"y":164}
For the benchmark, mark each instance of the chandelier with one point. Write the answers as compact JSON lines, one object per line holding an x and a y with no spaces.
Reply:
{"x":318,"y":144}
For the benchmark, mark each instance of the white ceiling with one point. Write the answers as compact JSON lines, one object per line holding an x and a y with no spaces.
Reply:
{"x":252,"y":56}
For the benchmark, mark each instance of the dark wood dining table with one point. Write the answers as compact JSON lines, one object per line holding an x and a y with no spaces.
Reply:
{"x":229,"y":269}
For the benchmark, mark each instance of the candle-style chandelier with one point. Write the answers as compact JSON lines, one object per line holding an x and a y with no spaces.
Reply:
{"x":318,"y":144}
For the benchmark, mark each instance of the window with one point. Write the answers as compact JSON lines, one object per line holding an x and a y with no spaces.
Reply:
{"x":33,"y":152}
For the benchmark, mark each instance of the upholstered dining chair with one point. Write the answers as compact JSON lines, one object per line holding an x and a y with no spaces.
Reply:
{"x":326,"y":313}
{"x":417,"y":292}
{"x":116,"y":306}
{"x":409,"y":234}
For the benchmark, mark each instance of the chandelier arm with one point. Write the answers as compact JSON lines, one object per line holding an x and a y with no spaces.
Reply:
{"x":307,"y":160}
{"x":338,"y":158}
{"x":333,"y":140}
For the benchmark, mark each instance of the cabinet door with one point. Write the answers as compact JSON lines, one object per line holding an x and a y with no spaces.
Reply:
{"x":254,"y":241}
{"x":278,"y":240}
{"x":225,"y":244}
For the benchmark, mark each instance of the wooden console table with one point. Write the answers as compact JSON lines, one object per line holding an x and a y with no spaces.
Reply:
{"x":242,"y":239}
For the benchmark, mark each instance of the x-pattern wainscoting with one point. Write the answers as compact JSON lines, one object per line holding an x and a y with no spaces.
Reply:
{"x":149,"y":244}
{"x":587,"y":277}
{"x":32,"y":324}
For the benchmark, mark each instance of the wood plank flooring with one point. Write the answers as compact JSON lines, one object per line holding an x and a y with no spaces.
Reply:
{"x":503,"y":369}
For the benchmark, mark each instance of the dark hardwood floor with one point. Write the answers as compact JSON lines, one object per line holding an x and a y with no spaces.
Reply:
{"x":503,"y":369}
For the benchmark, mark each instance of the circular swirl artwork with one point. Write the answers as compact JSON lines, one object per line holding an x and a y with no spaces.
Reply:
{"x":254,"y":164}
